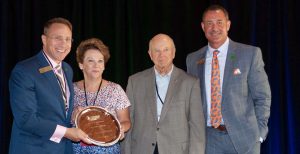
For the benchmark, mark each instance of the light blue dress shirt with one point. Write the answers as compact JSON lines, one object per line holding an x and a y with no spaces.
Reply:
{"x":162,"y":83}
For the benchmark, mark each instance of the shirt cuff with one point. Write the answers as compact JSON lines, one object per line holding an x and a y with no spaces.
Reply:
{"x":261,"y":139}
{"x":58,"y":134}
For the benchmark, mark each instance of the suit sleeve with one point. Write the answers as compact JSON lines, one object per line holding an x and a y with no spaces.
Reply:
{"x":196,"y":121}
{"x":126,"y":143}
{"x":24,"y":105}
{"x":260,"y":92}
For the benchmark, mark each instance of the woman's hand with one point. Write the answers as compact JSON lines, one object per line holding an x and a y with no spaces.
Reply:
{"x":123,"y":117}
{"x":122,"y":133}
{"x":75,"y":112}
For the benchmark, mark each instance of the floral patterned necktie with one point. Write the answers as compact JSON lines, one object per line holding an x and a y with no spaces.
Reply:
{"x":216,"y":97}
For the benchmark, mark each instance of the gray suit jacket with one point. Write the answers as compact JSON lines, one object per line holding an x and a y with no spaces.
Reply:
{"x":246,"y":96}
{"x":181,"y":128}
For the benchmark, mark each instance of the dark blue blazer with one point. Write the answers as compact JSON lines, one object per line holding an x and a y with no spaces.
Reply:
{"x":38,"y":107}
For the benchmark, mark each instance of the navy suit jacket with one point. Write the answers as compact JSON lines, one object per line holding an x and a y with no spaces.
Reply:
{"x":246,"y":95}
{"x":38,"y":107}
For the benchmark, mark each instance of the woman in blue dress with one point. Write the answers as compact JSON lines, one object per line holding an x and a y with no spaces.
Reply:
{"x":93,"y":90}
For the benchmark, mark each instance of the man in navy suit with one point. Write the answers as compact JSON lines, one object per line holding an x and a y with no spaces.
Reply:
{"x":244,"y":92}
{"x":41,"y":96}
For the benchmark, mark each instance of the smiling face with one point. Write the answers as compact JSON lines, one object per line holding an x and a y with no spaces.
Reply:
{"x":57,"y":42}
{"x":215,"y":25}
{"x":93,"y":64}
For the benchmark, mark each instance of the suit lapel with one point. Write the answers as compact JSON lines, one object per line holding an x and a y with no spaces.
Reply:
{"x":229,"y":67}
{"x":170,"y":92}
{"x":150,"y":93}
{"x":201,"y":75}
{"x":52,"y":80}
{"x":68,"y":77}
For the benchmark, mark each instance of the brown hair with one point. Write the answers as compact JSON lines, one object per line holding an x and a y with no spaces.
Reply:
{"x":214,"y":8}
{"x":56,"y":20}
{"x":92,"y":43}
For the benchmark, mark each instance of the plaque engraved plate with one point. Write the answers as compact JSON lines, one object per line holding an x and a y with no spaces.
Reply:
{"x":102,"y":127}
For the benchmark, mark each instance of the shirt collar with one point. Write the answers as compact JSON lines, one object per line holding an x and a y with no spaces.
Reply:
{"x":222,"y":49}
{"x":167,"y":75}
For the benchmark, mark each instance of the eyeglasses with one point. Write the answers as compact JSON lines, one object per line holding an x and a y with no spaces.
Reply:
{"x":61,"y":39}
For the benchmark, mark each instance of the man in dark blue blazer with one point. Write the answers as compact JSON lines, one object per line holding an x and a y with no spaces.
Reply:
{"x":244,"y":94}
{"x":41,"y":96}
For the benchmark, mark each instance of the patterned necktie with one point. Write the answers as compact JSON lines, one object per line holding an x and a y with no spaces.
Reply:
{"x":62,"y":84}
{"x":216,"y":97}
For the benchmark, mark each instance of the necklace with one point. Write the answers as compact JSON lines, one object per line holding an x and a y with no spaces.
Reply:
{"x":86,"y":103}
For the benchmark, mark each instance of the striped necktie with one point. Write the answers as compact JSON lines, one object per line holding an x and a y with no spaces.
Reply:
{"x":60,"y":77}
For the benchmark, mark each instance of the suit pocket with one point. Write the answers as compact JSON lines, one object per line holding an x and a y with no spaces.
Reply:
{"x":180,"y":148}
{"x":240,"y":85}
{"x":30,"y":139}
{"x":184,"y":147}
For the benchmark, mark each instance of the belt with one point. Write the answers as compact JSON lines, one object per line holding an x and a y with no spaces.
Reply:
{"x":221,"y":128}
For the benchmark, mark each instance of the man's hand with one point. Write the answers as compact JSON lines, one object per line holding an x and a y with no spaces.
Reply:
{"x":76,"y":134}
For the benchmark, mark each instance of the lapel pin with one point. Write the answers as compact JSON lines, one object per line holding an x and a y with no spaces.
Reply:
{"x":45,"y":69}
{"x":201,"y":61}
{"x":232,"y":57}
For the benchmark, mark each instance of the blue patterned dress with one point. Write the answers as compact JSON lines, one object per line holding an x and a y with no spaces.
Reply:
{"x":112,"y":98}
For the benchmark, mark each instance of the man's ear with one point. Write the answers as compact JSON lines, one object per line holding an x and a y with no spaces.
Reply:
{"x":228,"y":25}
{"x":149,"y":52}
{"x":202,"y":26}
{"x":43,"y":37}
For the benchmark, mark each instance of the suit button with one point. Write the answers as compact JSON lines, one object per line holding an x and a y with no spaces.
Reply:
{"x":153,"y":144}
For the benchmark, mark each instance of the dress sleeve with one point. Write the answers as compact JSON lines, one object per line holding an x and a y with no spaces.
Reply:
{"x":122,"y":100}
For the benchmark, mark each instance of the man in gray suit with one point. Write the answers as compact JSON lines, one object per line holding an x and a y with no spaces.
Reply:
{"x":166,"y":109}
{"x":244,"y":92}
